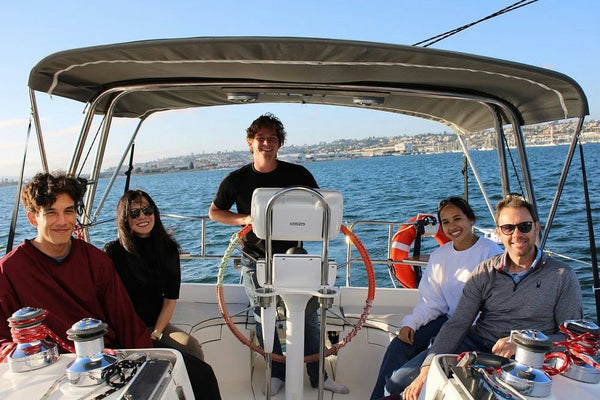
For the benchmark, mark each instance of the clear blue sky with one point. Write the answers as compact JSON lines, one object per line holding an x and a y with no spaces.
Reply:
{"x":560,"y":35}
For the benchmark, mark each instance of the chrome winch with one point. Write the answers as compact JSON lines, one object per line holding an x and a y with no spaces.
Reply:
{"x":525,"y":374}
{"x":33,"y":350}
{"x":581,"y":347}
{"x":88,"y":336}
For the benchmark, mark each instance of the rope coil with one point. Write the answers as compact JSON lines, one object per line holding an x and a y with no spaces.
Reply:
{"x":580,"y":349}
{"x":23,"y":332}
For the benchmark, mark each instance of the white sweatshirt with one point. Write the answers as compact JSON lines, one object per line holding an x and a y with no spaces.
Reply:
{"x":443,"y":280}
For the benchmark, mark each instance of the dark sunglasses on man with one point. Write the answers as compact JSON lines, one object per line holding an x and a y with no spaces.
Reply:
{"x":523,"y":227}
{"x":135,"y":212}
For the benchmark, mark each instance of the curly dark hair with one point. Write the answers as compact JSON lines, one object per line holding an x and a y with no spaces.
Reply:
{"x":159,"y":236}
{"x":43,"y":188}
{"x":269,"y":121}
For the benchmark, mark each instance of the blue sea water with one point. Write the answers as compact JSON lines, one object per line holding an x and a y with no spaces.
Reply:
{"x":393,"y":188}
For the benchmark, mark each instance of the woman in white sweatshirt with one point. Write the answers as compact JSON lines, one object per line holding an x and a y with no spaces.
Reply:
{"x":440,"y":288}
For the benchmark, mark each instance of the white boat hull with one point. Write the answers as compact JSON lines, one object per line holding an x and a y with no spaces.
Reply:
{"x":38,"y":383}
{"x":439,"y":386}
{"x":240,"y":371}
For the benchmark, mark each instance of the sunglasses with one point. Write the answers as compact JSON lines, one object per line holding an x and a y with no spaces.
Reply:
{"x":524,"y":227}
{"x":135,"y":212}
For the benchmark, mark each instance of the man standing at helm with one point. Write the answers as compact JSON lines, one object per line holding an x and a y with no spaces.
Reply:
{"x":264,"y":137}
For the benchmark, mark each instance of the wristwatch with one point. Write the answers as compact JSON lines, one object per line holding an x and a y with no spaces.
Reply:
{"x":156,"y":335}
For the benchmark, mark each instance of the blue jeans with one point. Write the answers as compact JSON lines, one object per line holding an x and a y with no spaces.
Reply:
{"x":398,"y":353}
{"x":403,"y":376}
{"x":311,"y":329}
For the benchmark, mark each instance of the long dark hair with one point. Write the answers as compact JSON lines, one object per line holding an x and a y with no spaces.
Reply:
{"x":158,"y":236}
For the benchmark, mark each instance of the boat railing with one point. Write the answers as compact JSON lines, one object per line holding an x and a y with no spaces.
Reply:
{"x":205,"y":252}
{"x":391,"y":227}
{"x":203,"y":220}
{"x":379,"y":251}
{"x":352,"y":259}
{"x":210,"y":249}
{"x":355,"y":226}
{"x":417,"y":259}
{"x":379,"y":245}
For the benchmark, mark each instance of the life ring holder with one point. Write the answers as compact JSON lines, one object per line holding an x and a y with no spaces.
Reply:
{"x":236,"y":238}
{"x":401,"y":244}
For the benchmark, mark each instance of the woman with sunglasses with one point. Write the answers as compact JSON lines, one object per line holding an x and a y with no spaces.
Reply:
{"x":146,"y":258}
{"x":440,"y":288}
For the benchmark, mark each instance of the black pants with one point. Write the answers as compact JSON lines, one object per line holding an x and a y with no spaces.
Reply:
{"x":202,"y":377}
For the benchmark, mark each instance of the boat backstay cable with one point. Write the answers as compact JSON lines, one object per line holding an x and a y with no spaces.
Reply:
{"x":442,"y":36}
{"x":111,"y":182}
{"x":129,"y":167}
{"x":13,"y":220}
{"x":475,"y":172}
{"x":90,"y":148}
{"x":588,"y":210}
{"x":465,"y":174}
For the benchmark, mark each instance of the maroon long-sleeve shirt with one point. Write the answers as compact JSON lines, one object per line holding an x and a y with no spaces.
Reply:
{"x":83,"y":285}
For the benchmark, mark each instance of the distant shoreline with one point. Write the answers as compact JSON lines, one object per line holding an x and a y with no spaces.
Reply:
{"x":430,"y":143}
{"x":9,"y":183}
{"x":106,"y":174}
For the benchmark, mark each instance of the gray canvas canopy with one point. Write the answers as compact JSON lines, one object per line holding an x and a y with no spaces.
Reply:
{"x":457,"y":89}
{"x":466,"y":92}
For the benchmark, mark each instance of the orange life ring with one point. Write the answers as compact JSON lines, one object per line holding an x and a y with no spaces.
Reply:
{"x":402,"y":242}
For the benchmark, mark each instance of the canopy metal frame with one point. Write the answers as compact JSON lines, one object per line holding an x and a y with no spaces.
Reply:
{"x":117,"y":93}
{"x":468,"y":93}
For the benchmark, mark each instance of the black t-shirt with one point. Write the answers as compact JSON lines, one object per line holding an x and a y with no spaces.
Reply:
{"x":238,"y":186}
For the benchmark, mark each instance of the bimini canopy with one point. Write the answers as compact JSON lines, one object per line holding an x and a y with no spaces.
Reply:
{"x":195,"y":72}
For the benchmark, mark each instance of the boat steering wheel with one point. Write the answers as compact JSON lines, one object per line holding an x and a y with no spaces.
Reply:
{"x":236,"y":238}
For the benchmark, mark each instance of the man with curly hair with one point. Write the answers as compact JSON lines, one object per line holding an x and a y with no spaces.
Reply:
{"x":264,"y":137}
{"x":68,"y":277}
